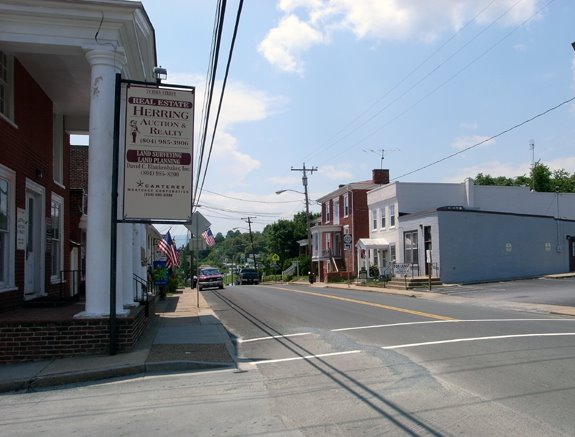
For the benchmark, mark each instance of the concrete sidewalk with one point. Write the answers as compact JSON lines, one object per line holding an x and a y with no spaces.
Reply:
{"x":183,"y":335}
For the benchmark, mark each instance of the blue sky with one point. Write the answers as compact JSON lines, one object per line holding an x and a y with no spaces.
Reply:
{"x":332,"y":84}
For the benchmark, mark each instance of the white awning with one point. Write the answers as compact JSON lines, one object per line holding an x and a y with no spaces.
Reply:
{"x":372,"y":243}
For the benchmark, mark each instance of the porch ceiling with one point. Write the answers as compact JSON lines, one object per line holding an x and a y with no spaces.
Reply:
{"x":50,"y":39}
{"x":65,"y":78}
{"x":321,"y":229}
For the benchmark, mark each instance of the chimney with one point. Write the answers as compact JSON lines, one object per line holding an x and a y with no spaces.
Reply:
{"x":380,"y":176}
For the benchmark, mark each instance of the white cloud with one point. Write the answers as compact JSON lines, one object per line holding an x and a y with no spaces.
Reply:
{"x":245,"y":104}
{"x":282,"y":45}
{"x":567,"y":163}
{"x":331,"y":172}
{"x":229,"y":162}
{"x":232,"y":164}
{"x":461,"y":143}
{"x":426,"y":21}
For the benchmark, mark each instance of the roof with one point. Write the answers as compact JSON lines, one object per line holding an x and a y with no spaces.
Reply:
{"x":366,"y":185}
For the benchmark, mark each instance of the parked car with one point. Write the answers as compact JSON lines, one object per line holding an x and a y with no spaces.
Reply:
{"x":249,"y":276}
{"x":210,"y":277}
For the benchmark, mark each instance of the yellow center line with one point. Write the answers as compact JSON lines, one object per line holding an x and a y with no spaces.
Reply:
{"x":371,"y":304}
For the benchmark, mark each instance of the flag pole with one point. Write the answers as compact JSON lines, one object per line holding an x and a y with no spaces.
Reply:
{"x":197,"y":251}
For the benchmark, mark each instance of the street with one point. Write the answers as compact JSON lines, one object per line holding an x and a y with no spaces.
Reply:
{"x":325,"y":362}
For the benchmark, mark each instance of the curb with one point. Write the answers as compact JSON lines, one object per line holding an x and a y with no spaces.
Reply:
{"x":40,"y":382}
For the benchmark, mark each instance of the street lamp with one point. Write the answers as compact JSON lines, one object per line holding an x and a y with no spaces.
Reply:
{"x":160,"y":74}
{"x":308,"y":249}
{"x":294,"y":191}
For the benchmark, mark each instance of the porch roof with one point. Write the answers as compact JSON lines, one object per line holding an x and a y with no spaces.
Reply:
{"x":372,"y":243}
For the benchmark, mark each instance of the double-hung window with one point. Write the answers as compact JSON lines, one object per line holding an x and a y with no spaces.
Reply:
{"x":410,"y":246}
{"x":336,"y":211}
{"x":392,"y":215}
{"x":346,"y":204}
{"x":6,"y":86}
{"x":382,"y":218}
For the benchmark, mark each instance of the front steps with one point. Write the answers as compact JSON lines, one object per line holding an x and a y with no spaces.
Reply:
{"x":421,"y":282}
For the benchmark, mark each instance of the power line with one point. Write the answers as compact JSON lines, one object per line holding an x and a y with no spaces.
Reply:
{"x":413,"y":71}
{"x":231,"y":51}
{"x":253,"y":201}
{"x":214,"y":55}
{"x":452,"y":77}
{"x":541,"y":114}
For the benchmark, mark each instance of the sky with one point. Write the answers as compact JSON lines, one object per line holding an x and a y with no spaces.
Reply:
{"x":337,"y":85}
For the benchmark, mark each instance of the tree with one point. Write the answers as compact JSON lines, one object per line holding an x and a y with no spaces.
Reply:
{"x":542,"y":179}
{"x":281,"y":239}
{"x":541,"y":176}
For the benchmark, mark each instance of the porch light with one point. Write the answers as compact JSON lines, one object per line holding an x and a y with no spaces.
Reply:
{"x":160,"y":74}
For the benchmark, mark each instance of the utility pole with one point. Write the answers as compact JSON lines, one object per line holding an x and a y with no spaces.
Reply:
{"x":249,"y":220}
{"x":304,"y":181}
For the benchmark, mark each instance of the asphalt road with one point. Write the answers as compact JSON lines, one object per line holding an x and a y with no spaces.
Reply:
{"x":338,"y":362}
{"x":413,"y":366}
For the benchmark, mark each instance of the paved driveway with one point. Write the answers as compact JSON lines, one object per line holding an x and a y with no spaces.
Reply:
{"x":538,"y":291}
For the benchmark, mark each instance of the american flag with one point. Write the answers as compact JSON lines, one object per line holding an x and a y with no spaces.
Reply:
{"x":168,"y":247}
{"x":209,"y":237}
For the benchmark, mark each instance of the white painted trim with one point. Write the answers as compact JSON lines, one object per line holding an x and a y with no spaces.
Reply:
{"x":41,"y":191}
{"x":10,"y":176}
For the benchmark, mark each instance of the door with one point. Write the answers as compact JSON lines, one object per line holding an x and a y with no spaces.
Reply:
{"x":427,"y":244}
{"x":572,"y":254}
{"x":33,"y":267}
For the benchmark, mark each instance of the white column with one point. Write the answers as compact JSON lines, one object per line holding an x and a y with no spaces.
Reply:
{"x":125,"y":281}
{"x":105,"y":63}
{"x":126,"y":253}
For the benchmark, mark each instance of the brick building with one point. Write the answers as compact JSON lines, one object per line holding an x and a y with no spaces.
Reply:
{"x":344,"y":220}
{"x":58,"y":66}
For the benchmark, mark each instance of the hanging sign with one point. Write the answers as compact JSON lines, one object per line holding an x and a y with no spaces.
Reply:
{"x":158,"y":154}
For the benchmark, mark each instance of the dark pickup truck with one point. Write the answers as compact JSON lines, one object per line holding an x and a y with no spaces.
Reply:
{"x":249,"y":276}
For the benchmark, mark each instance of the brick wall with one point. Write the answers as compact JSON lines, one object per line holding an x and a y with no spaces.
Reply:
{"x":26,"y":148}
{"x":22,"y":341}
{"x":79,"y":166}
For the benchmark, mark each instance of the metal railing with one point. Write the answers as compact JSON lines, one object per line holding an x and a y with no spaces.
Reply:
{"x":143,"y":291}
{"x":294,"y":268}
{"x":407,"y":270}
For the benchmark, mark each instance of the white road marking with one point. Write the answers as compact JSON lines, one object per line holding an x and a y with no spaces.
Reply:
{"x":355,"y":328}
{"x":388,"y":325}
{"x":272,"y":337}
{"x":306,"y":357}
{"x":461,"y":340}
